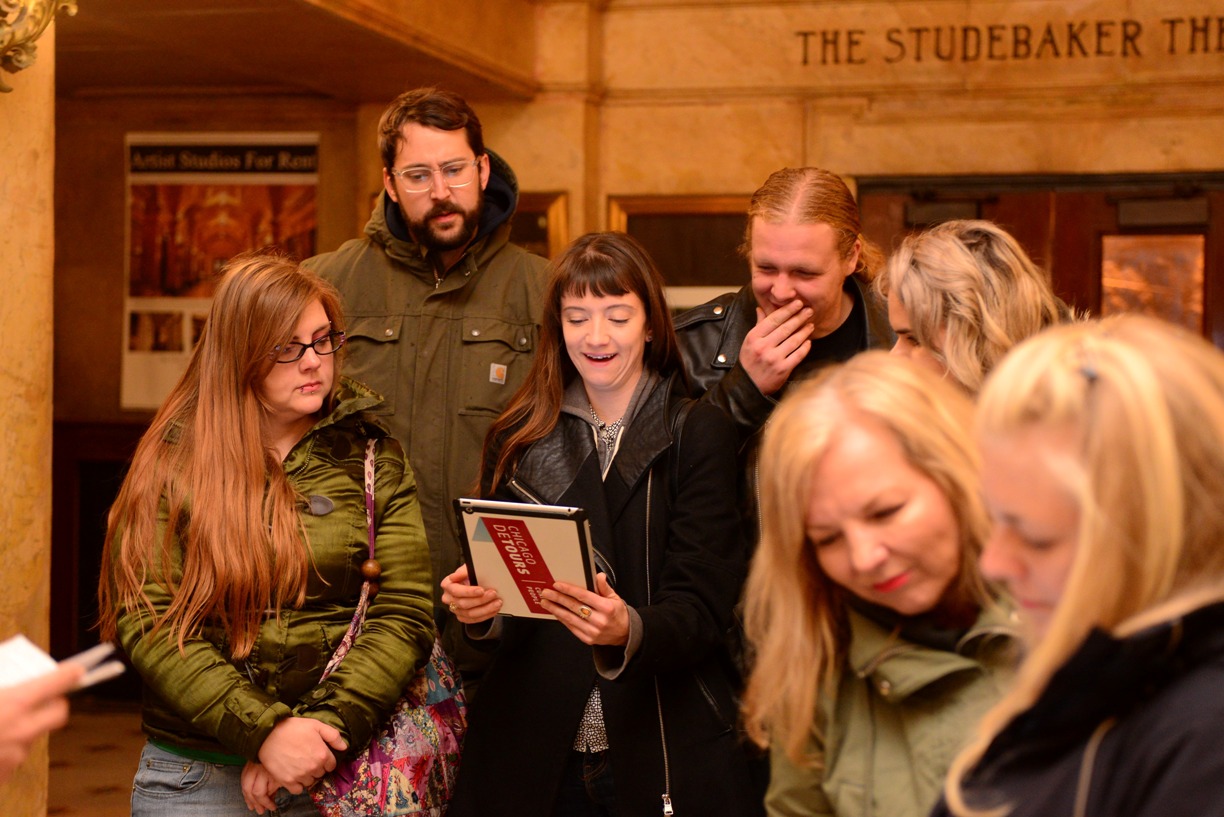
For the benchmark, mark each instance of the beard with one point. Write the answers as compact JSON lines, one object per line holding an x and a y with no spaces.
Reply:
{"x":432,"y":237}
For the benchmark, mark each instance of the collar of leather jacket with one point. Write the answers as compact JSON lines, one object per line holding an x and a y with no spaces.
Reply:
{"x":550,"y":466}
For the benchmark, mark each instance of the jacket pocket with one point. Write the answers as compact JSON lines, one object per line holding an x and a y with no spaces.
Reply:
{"x":494,"y":360}
{"x":371,"y":355}
{"x":162,"y":774}
{"x":723,"y":712}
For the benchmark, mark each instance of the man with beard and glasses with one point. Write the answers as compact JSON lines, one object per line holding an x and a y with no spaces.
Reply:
{"x":442,"y":309}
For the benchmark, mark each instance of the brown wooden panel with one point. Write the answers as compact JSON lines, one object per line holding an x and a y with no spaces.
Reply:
{"x":1213,"y":270}
{"x":78,"y":449}
{"x":1080,"y":219}
{"x":1029,"y":217}
{"x":883,"y":219}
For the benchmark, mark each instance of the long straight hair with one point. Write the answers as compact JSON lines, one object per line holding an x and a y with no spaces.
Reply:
{"x":231,"y":543}
{"x":599,"y":264}
{"x":795,"y":615}
{"x":1145,"y":402}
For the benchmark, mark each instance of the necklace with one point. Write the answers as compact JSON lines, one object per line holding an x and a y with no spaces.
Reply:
{"x":607,"y":431}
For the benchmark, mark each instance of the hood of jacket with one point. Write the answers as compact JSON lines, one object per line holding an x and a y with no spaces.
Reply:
{"x":350,"y":398}
{"x":1111,"y":676}
{"x":899,"y":668}
{"x":387,"y":227}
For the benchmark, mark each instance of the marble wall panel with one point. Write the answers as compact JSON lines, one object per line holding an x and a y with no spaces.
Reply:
{"x":27,"y":143}
{"x":903,"y":47}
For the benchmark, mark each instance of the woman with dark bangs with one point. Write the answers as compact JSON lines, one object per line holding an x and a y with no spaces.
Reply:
{"x":625,"y":704}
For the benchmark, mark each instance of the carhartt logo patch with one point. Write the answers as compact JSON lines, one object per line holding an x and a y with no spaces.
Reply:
{"x":497,"y":373}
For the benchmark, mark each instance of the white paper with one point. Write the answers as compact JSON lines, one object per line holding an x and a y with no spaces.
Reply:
{"x":21,"y":660}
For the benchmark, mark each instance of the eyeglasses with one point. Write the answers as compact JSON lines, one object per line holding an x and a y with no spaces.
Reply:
{"x":419,"y":179}
{"x":292,"y":352}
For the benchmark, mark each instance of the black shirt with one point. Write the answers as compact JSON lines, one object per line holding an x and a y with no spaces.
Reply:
{"x":838,"y":346}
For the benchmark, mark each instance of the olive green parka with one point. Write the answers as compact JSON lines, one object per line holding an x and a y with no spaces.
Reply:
{"x":901,"y":714}
{"x":446,"y":355}
{"x":201,"y":700}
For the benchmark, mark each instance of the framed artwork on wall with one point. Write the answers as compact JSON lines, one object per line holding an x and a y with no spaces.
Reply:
{"x":195,"y":201}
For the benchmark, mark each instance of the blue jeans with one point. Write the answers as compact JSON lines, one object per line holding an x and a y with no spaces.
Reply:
{"x":586,"y":787}
{"x":170,"y":785}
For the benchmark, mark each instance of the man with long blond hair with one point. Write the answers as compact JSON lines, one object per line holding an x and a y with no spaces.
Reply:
{"x":807,"y":304}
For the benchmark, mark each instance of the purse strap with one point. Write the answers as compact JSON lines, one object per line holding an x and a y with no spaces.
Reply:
{"x":369,"y":493}
{"x":363,"y":603}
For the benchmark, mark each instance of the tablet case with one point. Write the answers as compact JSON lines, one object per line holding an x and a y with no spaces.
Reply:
{"x":519,"y":549}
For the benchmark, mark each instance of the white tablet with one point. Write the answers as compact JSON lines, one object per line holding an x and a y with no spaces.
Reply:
{"x":519,"y":549}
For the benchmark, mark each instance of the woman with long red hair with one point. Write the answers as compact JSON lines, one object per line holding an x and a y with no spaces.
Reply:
{"x":234,"y":554}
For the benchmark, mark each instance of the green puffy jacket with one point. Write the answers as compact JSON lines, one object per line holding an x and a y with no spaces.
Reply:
{"x":202,"y":701}
{"x":901,"y":714}
{"x":446,"y":356}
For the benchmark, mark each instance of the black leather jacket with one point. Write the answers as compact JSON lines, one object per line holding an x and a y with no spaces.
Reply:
{"x":663,"y":522}
{"x":1149,"y":703}
{"x":710,"y":338}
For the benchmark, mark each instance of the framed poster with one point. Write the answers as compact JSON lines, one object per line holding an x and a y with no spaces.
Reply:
{"x":194,"y":202}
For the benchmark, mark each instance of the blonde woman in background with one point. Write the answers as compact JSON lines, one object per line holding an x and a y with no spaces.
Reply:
{"x":879,"y":645}
{"x":1103,"y":447}
{"x":963,"y":293}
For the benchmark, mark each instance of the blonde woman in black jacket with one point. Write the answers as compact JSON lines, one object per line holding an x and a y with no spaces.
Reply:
{"x":1103,"y":465}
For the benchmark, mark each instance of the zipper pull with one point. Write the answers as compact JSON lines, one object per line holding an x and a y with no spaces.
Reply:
{"x":667,"y":806}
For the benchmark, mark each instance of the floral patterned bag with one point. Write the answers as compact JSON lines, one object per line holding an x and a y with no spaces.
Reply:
{"x":409,"y":768}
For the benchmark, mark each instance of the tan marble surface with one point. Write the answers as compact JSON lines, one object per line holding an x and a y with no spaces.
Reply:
{"x":474,"y":34}
{"x":27,"y":146}
{"x":871,"y":45}
{"x":93,"y":760}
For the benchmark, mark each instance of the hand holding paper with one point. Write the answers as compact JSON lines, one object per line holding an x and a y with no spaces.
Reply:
{"x":21,"y":660}
{"x":32,"y":701}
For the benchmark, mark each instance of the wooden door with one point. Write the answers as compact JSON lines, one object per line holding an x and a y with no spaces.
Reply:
{"x":1139,"y":243}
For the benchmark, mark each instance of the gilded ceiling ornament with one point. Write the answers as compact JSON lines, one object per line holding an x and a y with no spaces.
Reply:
{"x":21,"y":23}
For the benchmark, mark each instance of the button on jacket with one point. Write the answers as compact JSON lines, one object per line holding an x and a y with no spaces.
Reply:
{"x":202,"y":700}
{"x":446,"y":355}
{"x":902,"y":712}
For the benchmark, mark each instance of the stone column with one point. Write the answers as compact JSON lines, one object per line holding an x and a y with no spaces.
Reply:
{"x":27,"y":163}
